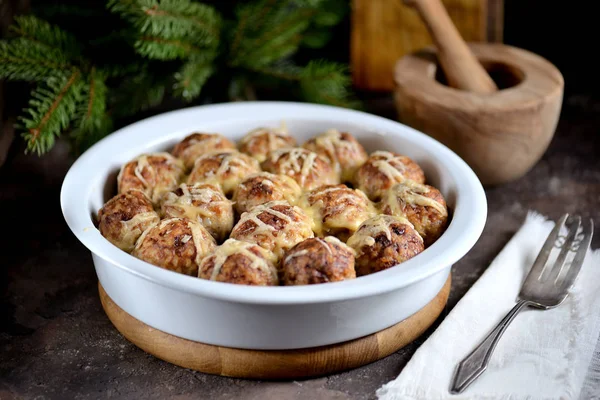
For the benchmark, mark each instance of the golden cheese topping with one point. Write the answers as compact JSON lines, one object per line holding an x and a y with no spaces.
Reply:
{"x":158,"y":177}
{"x":280,"y":232}
{"x":203,"y":241}
{"x":225,"y":168}
{"x":306,"y":167}
{"x":373,"y":227}
{"x":205,"y":203}
{"x":232,"y":246}
{"x":337,"y":207}
{"x":131,"y":228}
{"x":393,"y":172}
{"x":262,"y":187}
{"x":261,"y":141}
{"x":412,"y":193}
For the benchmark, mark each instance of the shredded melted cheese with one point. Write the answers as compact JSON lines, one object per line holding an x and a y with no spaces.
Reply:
{"x":233,"y":246}
{"x":373,"y":227}
{"x":133,"y":228}
{"x":392,"y":166}
{"x":412,"y":193}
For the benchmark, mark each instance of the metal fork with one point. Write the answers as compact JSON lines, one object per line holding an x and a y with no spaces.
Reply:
{"x":546,"y":286}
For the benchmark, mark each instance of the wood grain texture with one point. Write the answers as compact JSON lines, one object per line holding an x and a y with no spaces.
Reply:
{"x":274,"y":364}
{"x":500,"y":135}
{"x":383,"y":31}
{"x":461,"y":68}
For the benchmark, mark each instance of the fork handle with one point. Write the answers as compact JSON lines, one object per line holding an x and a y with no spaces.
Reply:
{"x":472,"y":366}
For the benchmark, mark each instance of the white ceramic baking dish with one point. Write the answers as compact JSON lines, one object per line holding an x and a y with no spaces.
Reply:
{"x":271,"y":317}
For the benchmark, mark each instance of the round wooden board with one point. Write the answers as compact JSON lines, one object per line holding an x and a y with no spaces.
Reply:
{"x":274,"y":364}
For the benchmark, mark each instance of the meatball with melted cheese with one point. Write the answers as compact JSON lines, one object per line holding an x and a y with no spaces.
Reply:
{"x":383,"y":242}
{"x":422,"y":205}
{"x":152,"y":174}
{"x":275,"y":226}
{"x":263,"y":187}
{"x":176,"y":244}
{"x":259,"y":142}
{"x":202,"y":202}
{"x":306,"y":167}
{"x":382,"y":170}
{"x":239,"y":262}
{"x":341,"y":148}
{"x":227,"y":169}
{"x":123,"y":218}
{"x":318,"y":260}
{"x":337,"y":210}
{"x":197,"y":144}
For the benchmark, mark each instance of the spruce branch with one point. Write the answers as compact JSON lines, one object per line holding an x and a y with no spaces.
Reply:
{"x":139,"y":92}
{"x":164,"y":49}
{"x":93,"y":122}
{"x":51,"y":109}
{"x":23,"y":60}
{"x":328,"y":83}
{"x":190,"y":79}
{"x":171,"y":19}
{"x":43,"y":34}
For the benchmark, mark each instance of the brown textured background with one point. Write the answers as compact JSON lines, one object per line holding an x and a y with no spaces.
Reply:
{"x":56,"y":342}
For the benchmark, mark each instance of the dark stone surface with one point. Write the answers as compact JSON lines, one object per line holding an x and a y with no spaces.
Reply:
{"x":56,"y":342}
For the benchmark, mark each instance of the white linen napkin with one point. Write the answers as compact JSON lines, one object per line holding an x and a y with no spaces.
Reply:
{"x":542,"y":355}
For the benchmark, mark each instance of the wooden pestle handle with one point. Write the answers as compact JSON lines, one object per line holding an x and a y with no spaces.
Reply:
{"x":462,"y":69}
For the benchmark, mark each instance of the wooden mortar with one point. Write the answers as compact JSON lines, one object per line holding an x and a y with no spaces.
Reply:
{"x":496,"y":106}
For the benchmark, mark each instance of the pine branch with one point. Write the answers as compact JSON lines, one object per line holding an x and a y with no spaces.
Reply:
{"x":191,"y":78}
{"x":43,"y":34}
{"x":164,"y":49}
{"x":93,"y":121}
{"x":21,"y":59}
{"x":328,"y":83}
{"x":139,"y":92}
{"x":273,"y":37}
{"x":172,"y":19}
{"x":52,"y":108}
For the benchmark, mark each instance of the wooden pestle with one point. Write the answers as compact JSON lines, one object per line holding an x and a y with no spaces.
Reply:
{"x":462,"y":69}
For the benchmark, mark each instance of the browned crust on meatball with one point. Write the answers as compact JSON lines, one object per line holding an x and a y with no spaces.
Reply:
{"x":176,"y":244}
{"x":202,"y":202}
{"x":341,"y":149}
{"x":197,"y":144}
{"x":404,"y":199}
{"x":306,"y":167}
{"x":160,"y":172}
{"x":258,"y":143}
{"x":337,"y":209}
{"x":382,"y":170}
{"x":249,"y":264}
{"x":263,"y":187}
{"x":376,"y":251}
{"x":317,"y":260}
{"x":226,"y":169}
{"x":263,"y":226}
{"x":117,"y":220}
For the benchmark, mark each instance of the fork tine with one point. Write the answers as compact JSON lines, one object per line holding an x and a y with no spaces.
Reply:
{"x":587,"y":232}
{"x":538,"y":265}
{"x":566,"y":248}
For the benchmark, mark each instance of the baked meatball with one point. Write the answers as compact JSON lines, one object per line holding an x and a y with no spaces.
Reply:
{"x":423,"y":206}
{"x":226,"y":168}
{"x":202,"y":202}
{"x":337,"y":210}
{"x":382,"y":170}
{"x":176,"y":244}
{"x":239,"y":262}
{"x":153,"y":174}
{"x":306,"y":167}
{"x":197,"y":144}
{"x":275,"y":226}
{"x":318,"y":260}
{"x":384,"y":241}
{"x":259,"y":142}
{"x":263,"y":187}
{"x":341,"y":149}
{"x":122,"y":219}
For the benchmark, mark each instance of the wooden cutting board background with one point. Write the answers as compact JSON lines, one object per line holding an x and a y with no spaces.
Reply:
{"x":383,"y":31}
